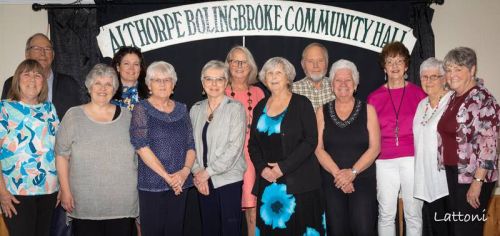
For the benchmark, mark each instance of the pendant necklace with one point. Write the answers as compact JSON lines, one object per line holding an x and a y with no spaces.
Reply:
{"x":396,"y":129}
{"x":211,"y":115}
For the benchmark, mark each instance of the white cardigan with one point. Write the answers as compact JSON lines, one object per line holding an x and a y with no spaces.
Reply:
{"x":430,"y":182}
{"x":225,"y":141}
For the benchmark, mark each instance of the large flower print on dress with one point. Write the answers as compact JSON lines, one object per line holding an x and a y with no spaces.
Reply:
{"x":311,"y":232}
{"x":277,"y":206}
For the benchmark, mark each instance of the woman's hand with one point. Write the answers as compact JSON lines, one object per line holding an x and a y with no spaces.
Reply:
{"x":6,"y":200}
{"x":348,"y":188}
{"x":173,"y":182}
{"x":67,"y":201}
{"x":473,"y":194}
{"x":268,"y":175}
{"x":202,"y":188}
{"x":275,"y":168}
{"x":178,"y":179}
{"x":201,"y":176}
{"x":344,"y":177}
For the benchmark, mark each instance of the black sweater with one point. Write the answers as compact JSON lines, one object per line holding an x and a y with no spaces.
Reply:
{"x":299,"y":138}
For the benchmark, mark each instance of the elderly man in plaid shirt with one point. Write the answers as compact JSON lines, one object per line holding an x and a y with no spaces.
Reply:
{"x":315,"y":85}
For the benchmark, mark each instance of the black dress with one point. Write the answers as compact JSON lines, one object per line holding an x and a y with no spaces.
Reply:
{"x":345,"y":141}
{"x":278,"y":211}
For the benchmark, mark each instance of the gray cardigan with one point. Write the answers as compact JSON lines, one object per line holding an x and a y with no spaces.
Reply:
{"x":225,"y":141}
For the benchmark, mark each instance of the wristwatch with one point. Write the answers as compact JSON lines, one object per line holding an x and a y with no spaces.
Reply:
{"x":354,"y":171}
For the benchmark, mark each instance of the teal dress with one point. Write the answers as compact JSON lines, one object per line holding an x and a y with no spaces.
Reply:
{"x":278,"y":211}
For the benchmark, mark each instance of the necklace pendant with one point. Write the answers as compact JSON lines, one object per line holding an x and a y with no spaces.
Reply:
{"x":210,"y":117}
{"x":396,"y":133}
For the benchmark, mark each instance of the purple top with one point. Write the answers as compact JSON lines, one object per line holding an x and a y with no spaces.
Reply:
{"x":384,"y":105}
{"x":168,"y":135}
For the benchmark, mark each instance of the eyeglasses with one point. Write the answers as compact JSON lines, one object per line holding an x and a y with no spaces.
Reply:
{"x":237,"y":63}
{"x":347,"y":81}
{"x":397,"y":62}
{"x":161,"y":81}
{"x":216,"y":80}
{"x":431,"y":78}
{"x":38,"y":49}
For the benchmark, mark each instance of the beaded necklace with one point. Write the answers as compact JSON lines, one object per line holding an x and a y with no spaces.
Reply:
{"x":249,"y":103}
{"x":425,"y":121}
{"x":249,"y":94}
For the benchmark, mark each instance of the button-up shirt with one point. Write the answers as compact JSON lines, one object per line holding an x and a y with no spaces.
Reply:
{"x":318,"y":97}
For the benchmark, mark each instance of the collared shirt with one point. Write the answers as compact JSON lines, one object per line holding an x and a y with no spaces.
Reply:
{"x":50,"y":83}
{"x":318,"y":97}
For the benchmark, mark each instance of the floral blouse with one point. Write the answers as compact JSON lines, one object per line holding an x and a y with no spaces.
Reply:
{"x":477,"y":134}
{"x":130,"y":96}
{"x":27,"y":134}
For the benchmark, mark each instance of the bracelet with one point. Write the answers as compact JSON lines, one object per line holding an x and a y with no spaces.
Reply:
{"x":478,"y":180}
{"x":354,"y":171}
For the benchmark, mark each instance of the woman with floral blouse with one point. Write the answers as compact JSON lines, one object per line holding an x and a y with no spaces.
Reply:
{"x":467,"y":142}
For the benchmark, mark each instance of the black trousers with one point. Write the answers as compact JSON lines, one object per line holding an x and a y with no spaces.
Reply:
{"x":355,"y":213}
{"x":112,"y":227}
{"x":465,"y":220}
{"x":221,"y":210}
{"x":162,"y":213}
{"x":34,"y":215}
{"x":431,"y":213}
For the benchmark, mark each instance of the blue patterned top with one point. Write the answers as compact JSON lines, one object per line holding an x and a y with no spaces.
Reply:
{"x":27,"y":153}
{"x":130,"y":97}
{"x":168,"y":135}
{"x":271,"y":125}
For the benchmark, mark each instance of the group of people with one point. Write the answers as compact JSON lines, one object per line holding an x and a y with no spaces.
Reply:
{"x":308,"y":159}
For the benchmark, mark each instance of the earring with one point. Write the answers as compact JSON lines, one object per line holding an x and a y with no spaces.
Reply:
{"x":355,"y":92}
{"x":405,"y":76}
{"x":385,"y":77}
{"x":203,"y":92}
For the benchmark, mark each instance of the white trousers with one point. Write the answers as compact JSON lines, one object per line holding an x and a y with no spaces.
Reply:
{"x":393,"y":175}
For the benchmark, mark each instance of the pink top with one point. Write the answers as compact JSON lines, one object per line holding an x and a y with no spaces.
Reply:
{"x":385,"y":107}
{"x":248,"y":200}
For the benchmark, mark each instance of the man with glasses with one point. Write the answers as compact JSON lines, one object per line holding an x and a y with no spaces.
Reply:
{"x":315,"y":85}
{"x":64,"y":90}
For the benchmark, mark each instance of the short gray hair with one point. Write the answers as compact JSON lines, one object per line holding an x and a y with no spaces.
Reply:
{"x":345,"y":64}
{"x":28,"y":42}
{"x":432,"y":63}
{"x":275,"y":62}
{"x":323,"y":48}
{"x":461,"y":56}
{"x":101,"y":70}
{"x":215,"y":64}
{"x":252,"y":76}
{"x":160,"y":68}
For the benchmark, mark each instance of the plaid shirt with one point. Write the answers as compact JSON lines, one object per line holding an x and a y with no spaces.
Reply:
{"x":318,"y":97}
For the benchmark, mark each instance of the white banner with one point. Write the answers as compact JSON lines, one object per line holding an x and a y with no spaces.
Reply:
{"x":211,"y":20}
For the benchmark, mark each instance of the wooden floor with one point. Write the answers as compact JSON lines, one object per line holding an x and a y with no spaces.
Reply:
{"x":491,"y":228}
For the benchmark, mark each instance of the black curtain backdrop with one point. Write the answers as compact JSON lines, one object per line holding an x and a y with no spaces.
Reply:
{"x":74,"y":37}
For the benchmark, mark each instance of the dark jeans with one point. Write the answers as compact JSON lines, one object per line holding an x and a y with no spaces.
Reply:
{"x":162,"y":213}
{"x":458,"y":205}
{"x":221,"y":210}
{"x":113,"y":227}
{"x":34,"y":215}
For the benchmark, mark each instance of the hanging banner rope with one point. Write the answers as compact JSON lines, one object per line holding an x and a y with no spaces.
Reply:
{"x":211,"y":20}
